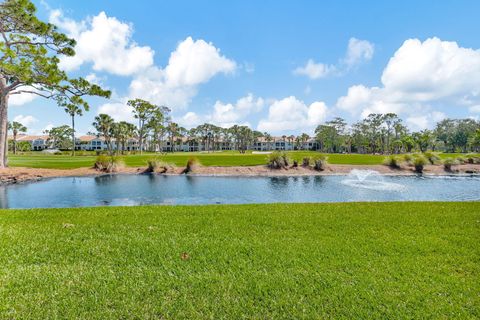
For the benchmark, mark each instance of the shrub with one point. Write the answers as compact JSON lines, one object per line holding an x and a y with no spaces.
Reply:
{"x":432,"y":157}
{"x":408,"y":158}
{"x":448,"y":163}
{"x":461,"y":159}
{"x":419,"y":162}
{"x":278,"y":160}
{"x":392,"y":161}
{"x":108,"y":164}
{"x":295,"y":164}
{"x":472,"y":158}
{"x":306,"y":162}
{"x":158,"y":166}
{"x":192,"y":163}
{"x":320,"y":162}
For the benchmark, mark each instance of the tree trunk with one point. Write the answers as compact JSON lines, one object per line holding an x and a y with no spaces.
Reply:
{"x":73,"y":135}
{"x":3,"y":129}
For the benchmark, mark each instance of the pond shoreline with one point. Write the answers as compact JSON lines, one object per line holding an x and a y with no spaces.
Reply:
{"x":19,"y":174}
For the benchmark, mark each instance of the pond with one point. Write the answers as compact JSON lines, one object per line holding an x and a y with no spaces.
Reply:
{"x":129,"y":190}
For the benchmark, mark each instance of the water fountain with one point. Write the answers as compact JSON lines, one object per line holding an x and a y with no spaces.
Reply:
{"x":372,"y":180}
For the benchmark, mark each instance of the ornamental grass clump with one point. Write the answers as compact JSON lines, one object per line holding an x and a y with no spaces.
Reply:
{"x":192,"y":164}
{"x":158,"y":166}
{"x":320,"y":162}
{"x":448,"y":163}
{"x":432,"y":157}
{"x":108,"y":164}
{"x":472,"y":158}
{"x":306,"y":162}
{"x":461,"y":159}
{"x":278,"y":160}
{"x":419,"y":163}
{"x":392,"y":161}
{"x":408,"y":158}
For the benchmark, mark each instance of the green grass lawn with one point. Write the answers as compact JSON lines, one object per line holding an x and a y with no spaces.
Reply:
{"x":285,"y":261}
{"x":229,"y":158}
{"x":38,"y":160}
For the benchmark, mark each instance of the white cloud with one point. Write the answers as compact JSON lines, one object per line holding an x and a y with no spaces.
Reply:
{"x":419,"y":75}
{"x":226,"y":114}
{"x":105,"y":42}
{"x":194,"y":62}
{"x":314,"y":70}
{"x":190,"y":119}
{"x":290,"y":114}
{"x":93,"y":78}
{"x":118,"y":111}
{"x":21,"y":98}
{"x":432,"y":70}
{"x":27,"y":121}
{"x":358,"y":51}
{"x":425,"y":121}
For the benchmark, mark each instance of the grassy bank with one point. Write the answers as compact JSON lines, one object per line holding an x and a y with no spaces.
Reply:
{"x":38,"y":160}
{"x":377,"y":260}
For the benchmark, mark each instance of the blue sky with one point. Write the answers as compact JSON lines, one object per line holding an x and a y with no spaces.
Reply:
{"x":247,"y":62}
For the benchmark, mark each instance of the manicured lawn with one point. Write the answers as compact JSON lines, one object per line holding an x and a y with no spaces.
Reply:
{"x":229,"y":158}
{"x":315,"y":261}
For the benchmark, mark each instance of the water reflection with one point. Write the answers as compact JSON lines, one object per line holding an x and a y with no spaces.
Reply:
{"x":279,"y":182}
{"x":157,"y":189}
{"x":105,"y":179}
{"x":319,"y":180}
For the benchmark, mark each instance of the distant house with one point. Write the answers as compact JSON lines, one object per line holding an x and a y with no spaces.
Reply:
{"x":37,"y":143}
{"x":95,"y":143}
{"x":180,"y":144}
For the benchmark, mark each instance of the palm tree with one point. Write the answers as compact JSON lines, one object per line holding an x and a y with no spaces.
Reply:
{"x":73,"y":110}
{"x":268,"y":139}
{"x":304,"y":139}
{"x":122,"y":131}
{"x":104,"y":125}
{"x":16,"y":127}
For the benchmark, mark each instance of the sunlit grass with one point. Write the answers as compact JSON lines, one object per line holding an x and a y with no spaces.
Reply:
{"x":226,"y":158}
{"x":285,"y":261}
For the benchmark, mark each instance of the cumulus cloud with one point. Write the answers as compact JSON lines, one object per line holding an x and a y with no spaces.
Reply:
{"x":25,"y":120}
{"x":358,"y":51}
{"x":105,"y":42}
{"x":190,"y":119}
{"x":118,"y":111}
{"x":226,"y":114}
{"x":194,"y":62}
{"x":314,"y":70}
{"x":419,"y":75}
{"x":425,"y":121}
{"x":21,"y":98}
{"x":290,"y":114}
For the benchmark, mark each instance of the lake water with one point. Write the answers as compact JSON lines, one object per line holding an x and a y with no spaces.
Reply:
{"x":128,"y":190}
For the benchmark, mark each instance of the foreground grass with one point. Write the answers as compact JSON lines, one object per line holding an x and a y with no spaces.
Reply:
{"x":180,"y":159}
{"x":352,"y":261}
